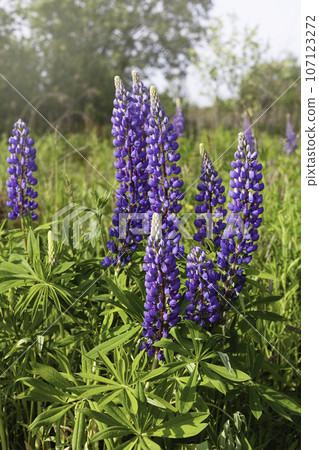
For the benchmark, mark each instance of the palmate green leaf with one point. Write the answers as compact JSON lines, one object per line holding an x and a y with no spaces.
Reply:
{"x":107,"y":419}
{"x":266,"y":315}
{"x":168,"y":344}
{"x":268,"y":299}
{"x":236,"y":375}
{"x":109,"y":365}
{"x":8,"y":284}
{"x":40,"y":391}
{"x":215,"y":383}
{"x":148,"y":444}
{"x":254,"y":403}
{"x":114,"y":342}
{"x":50,"y":416}
{"x":159,"y":402}
{"x":51,"y":375}
{"x":188,"y":394}
{"x":19,"y":268}
{"x":110,"y":397}
{"x":111,"y":432}
{"x":182,"y":426}
{"x":278,"y":400}
{"x":89,"y":391}
{"x":225,"y":361}
{"x":258,"y":273}
{"x":164,"y":371}
{"x":130,"y":302}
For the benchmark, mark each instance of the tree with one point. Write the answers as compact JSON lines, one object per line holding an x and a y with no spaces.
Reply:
{"x":226,"y":58}
{"x":82,"y":44}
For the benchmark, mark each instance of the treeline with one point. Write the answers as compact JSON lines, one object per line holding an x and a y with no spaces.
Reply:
{"x":62,"y":57}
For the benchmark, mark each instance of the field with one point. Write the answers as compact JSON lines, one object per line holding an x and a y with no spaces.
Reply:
{"x":72,"y":371}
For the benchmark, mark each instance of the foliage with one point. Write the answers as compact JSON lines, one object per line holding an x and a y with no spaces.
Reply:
{"x":61,"y":56}
{"x":80,"y":378}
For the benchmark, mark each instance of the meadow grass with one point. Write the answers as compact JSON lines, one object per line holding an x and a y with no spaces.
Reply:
{"x":64,"y":176}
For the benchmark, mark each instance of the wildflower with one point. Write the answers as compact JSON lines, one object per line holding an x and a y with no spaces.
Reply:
{"x":22,"y":165}
{"x":164,"y":193}
{"x":291,"y":141}
{"x":240,"y":237}
{"x":248,"y":133}
{"x":211,"y":200}
{"x":202,"y":290}
{"x":162,"y":303}
{"x":129,"y":115}
{"x":179,"y":119}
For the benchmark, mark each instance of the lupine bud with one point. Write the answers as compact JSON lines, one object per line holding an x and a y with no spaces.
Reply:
{"x":248,"y":133}
{"x":240,"y":237}
{"x":22,"y":165}
{"x":179,"y":119}
{"x":162,"y":303}
{"x":211,"y":200}
{"x":291,"y":141}
{"x":129,"y":116}
{"x":51,"y":251}
{"x":202,"y":288}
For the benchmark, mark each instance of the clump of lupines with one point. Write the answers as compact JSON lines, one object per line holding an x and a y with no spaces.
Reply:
{"x":211,"y":200}
{"x":162,"y":303}
{"x":129,"y":116}
{"x":179,"y":119}
{"x":22,"y":165}
{"x":291,"y":141}
{"x":240,"y":237}
{"x":248,"y":133}
{"x":164,"y":193}
{"x":202,"y":288}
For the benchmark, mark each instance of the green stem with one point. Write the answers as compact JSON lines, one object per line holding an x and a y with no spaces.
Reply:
{"x":2,"y":432}
{"x":57,"y":435}
{"x":154,"y":364}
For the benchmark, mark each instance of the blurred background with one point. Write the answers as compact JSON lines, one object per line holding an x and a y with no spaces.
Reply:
{"x":219,"y":57}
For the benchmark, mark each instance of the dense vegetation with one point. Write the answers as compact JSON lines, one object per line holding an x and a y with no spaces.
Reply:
{"x":71,"y":369}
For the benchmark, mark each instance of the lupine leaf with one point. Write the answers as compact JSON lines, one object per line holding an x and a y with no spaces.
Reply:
{"x":112,"y":343}
{"x":182,"y":426}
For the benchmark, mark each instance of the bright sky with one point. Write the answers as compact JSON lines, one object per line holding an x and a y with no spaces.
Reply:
{"x":278,"y":24}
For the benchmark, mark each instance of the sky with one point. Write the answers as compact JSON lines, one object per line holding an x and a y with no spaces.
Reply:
{"x":278,"y":24}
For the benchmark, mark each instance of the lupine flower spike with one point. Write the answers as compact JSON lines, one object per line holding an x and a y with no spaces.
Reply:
{"x":129,"y":115}
{"x":51,"y":250}
{"x":22,"y":165}
{"x":211,"y":199}
{"x":179,"y":119}
{"x":248,"y":133}
{"x":162,"y":303}
{"x":240,"y":237}
{"x":202,"y":288}
{"x":164,"y":194}
{"x":291,"y":141}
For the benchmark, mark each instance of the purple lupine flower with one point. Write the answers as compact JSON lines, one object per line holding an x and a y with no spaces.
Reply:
{"x":164,"y":194}
{"x":248,"y":133}
{"x":211,"y":200}
{"x":202,"y":288}
{"x":162,"y":303}
{"x":240,"y":237}
{"x":178,"y":119}
{"x":22,"y":165}
{"x":291,"y":141}
{"x":129,"y":115}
